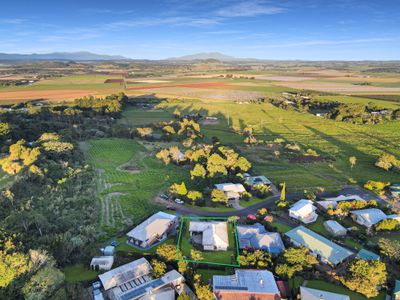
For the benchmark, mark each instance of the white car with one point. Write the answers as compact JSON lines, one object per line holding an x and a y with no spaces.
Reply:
{"x":179,"y":201}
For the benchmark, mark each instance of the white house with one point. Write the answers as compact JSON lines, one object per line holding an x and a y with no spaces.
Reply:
{"x":314,"y":294}
{"x":335,"y":228}
{"x":332,"y":202}
{"x":304,"y":211}
{"x":368,"y":217}
{"x":212,"y":235}
{"x":152,"y":230}
{"x":371,"y":216}
{"x":232,"y":190}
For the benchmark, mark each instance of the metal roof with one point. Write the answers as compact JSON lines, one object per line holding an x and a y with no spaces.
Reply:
{"x":314,"y":294}
{"x":319,"y":245}
{"x":367,"y":255}
{"x":255,"y":236}
{"x":156,"y":225}
{"x":252,"y":281}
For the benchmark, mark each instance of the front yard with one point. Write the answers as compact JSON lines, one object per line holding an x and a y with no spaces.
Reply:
{"x":228,"y":257}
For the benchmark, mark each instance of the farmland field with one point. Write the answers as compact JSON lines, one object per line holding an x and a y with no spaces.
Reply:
{"x":126,"y":197}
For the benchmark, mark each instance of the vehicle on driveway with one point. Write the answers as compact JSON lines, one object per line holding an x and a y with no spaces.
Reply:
{"x":164,"y":196}
{"x":179,"y":201}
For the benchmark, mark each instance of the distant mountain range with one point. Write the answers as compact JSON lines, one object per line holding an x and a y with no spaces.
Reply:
{"x":209,"y":55}
{"x":89,"y":56}
{"x":74,"y":56}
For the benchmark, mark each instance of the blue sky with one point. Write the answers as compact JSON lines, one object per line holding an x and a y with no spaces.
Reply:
{"x":284,"y":29}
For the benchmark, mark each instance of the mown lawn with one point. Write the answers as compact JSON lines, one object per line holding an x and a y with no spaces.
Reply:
{"x":79,"y":272}
{"x":207,"y":274}
{"x":330,"y":287}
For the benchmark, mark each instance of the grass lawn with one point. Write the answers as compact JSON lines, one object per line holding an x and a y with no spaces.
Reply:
{"x":207,"y":274}
{"x":128,"y":195}
{"x":252,"y":201}
{"x":79,"y":272}
{"x":336,"y":140}
{"x":139,"y":117}
{"x":213,"y":257}
{"x":330,"y":287}
{"x":282,"y":228}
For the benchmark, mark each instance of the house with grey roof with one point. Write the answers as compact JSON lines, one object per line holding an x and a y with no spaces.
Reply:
{"x":314,"y":294}
{"x":246,"y":284}
{"x":133,"y":281}
{"x":232,"y":190}
{"x":325,"y":250}
{"x":257,"y":180}
{"x":368,"y":217}
{"x":335,"y":228}
{"x":256,"y":237}
{"x":212,"y":235}
{"x":153,"y":230}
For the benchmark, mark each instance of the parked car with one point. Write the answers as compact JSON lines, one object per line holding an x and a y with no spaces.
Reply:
{"x":164,"y":196}
{"x":179,"y":201}
{"x":170,"y":207}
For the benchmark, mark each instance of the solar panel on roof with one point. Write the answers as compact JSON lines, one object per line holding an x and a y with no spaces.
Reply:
{"x":142,"y":290}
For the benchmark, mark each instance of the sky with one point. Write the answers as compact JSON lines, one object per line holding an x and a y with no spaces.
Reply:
{"x":264,"y":29}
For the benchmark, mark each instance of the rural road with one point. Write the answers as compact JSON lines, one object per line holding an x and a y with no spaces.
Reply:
{"x":268,"y":203}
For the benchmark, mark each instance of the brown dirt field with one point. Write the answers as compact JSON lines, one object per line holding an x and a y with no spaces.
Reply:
{"x":204,"y":85}
{"x":45,"y":94}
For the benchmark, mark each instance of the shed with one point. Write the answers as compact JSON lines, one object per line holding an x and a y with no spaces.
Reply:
{"x":367,"y":255}
{"x":314,"y":294}
{"x":109,"y":251}
{"x":335,"y":228}
{"x":102,"y":263}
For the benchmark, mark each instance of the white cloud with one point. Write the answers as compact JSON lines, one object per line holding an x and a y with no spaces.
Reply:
{"x":249,"y":9}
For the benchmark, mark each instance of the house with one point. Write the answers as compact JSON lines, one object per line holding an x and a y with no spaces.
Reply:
{"x":367,"y":255}
{"x":314,"y":294}
{"x":134,"y":281}
{"x":102,"y":263}
{"x":246,"y":284}
{"x":304,"y":211}
{"x":213,"y":236}
{"x":155,"y":229}
{"x":257,"y":180}
{"x":332,"y":202}
{"x":232,"y":190}
{"x":325,"y":250}
{"x":334,"y":228}
{"x":368,"y":217}
{"x":256,"y":237}
{"x":396,"y":291}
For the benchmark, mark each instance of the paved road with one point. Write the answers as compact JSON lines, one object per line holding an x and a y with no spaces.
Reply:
{"x":268,"y":203}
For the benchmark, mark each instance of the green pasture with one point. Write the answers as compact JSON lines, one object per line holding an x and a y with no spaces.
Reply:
{"x":135,"y":190}
{"x":334,"y":140}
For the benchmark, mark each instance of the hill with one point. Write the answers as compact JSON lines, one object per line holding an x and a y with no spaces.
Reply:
{"x":205,"y":56}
